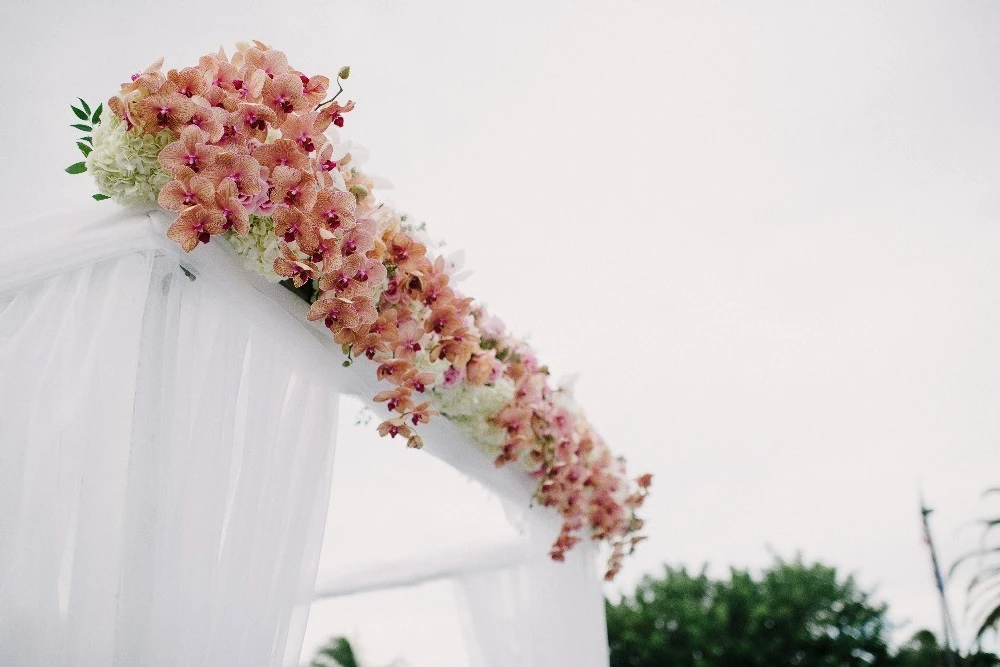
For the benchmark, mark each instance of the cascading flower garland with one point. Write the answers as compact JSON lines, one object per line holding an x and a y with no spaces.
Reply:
{"x":245,"y":148}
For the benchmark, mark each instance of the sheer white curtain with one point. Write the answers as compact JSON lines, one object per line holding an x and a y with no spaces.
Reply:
{"x":537,"y":612}
{"x":165,"y":453}
{"x":166,"y":443}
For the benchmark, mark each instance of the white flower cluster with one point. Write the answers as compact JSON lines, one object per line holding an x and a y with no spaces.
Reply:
{"x":259,"y":248}
{"x":422,"y":360}
{"x":124,"y":163}
{"x":470,"y":406}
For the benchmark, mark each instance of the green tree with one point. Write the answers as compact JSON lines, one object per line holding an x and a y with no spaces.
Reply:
{"x":793,"y":614}
{"x":337,"y":652}
{"x":923,"y":650}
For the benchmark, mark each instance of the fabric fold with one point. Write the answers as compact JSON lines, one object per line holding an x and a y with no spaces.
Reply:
{"x":165,"y":462}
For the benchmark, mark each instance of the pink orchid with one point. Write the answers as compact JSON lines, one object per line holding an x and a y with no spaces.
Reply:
{"x":290,"y":265}
{"x":190,"y":81}
{"x":149,"y":81}
{"x":333,"y":113}
{"x":208,"y":119}
{"x":190,"y":151}
{"x":259,"y":203}
{"x":284,"y":153}
{"x":242,"y":170}
{"x":314,"y":87}
{"x":300,"y":129}
{"x":283,"y":94}
{"x":334,"y":210}
{"x":291,"y":225}
{"x":228,"y":202}
{"x":253,"y":120}
{"x":359,"y":239}
{"x":162,"y":111}
{"x":409,"y":339}
{"x":293,"y":187}
{"x":336,"y":313}
{"x":186,"y":190}
{"x":195,"y":225}
{"x":324,"y":166}
{"x":271,"y":62}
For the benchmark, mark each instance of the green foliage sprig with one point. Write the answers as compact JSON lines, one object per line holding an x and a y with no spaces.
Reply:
{"x":86,"y":142}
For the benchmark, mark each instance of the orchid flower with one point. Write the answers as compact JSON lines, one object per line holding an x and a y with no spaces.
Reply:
{"x":195,"y":225}
{"x":190,"y":151}
{"x":186,"y":190}
{"x":283,"y":152}
{"x":242,"y":170}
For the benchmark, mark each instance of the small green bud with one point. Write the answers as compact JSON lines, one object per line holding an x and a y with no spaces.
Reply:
{"x":344,"y":72}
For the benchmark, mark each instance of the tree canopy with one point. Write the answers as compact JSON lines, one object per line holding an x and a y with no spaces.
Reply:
{"x":790,"y":614}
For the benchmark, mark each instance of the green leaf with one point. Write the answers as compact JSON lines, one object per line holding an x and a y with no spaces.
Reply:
{"x":344,"y":72}
{"x":89,"y":140}
{"x":79,"y":113}
{"x":100,"y":197}
{"x":84,"y":148}
{"x":82,"y":127}
{"x":96,"y":118}
{"x":86,"y":107}
{"x":78,"y":168}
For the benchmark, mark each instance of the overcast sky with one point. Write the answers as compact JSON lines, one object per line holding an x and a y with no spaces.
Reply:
{"x":765,"y":234}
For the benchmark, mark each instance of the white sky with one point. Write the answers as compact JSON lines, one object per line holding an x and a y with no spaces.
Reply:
{"x":764,"y":233}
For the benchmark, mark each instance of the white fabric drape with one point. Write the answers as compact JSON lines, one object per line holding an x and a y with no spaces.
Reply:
{"x":164,"y":468}
{"x":536,"y":613}
{"x":166,"y":443}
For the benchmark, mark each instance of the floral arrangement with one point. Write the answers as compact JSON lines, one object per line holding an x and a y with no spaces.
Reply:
{"x":246,"y":149}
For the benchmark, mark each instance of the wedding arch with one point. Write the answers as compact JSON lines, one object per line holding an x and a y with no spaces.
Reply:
{"x":169,"y":381}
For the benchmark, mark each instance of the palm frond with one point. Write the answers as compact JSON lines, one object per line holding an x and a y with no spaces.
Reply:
{"x":983,"y":589}
{"x":990,"y":622}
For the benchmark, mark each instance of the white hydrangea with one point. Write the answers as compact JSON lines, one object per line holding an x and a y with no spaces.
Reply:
{"x":124,"y":163}
{"x":422,"y":360}
{"x":259,"y":248}
{"x":470,"y":406}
